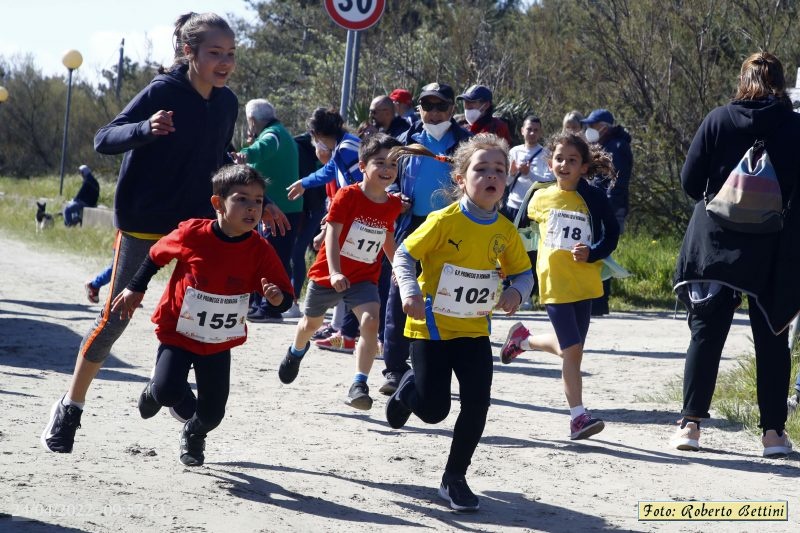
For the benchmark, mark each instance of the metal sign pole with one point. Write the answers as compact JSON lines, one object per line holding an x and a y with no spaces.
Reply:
{"x":354,"y":66}
{"x":348,"y":65}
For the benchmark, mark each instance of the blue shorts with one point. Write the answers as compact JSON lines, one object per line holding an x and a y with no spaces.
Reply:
{"x":570,"y":321}
{"x":320,"y":298}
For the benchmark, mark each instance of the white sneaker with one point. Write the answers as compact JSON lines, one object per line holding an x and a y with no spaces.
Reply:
{"x":293,"y":312}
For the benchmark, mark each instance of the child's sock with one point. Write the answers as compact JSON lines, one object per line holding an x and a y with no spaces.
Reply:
{"x":360,"y":378}
{"x":298,"y":353}
{"x":65,"y":401}
{"x":575,"y":412}
{"x":526,"y":345}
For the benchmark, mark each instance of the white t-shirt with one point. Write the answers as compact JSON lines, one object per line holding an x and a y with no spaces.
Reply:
{"x":539,"y":171}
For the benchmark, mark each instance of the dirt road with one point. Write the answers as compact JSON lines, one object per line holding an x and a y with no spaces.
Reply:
{"x":295,"y":458}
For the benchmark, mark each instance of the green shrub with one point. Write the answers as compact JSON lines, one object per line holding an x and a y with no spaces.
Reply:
{"x":651,"y":263}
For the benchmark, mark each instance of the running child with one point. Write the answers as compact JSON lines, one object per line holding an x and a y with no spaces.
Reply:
{"x":202,"y":312}
{"x":359,"y":229}
{"x":449,"y":306}
{"x":577,"y":230}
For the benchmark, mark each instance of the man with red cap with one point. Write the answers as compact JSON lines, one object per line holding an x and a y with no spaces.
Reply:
{"x":404,"y":105}
{"x":478,"y":109}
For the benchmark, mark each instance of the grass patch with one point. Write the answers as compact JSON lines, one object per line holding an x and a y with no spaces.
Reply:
{"x":18,"y":207}
{"x":651,"y":263}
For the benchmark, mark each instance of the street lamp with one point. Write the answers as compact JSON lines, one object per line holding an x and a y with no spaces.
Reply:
{"x":72,"y":59}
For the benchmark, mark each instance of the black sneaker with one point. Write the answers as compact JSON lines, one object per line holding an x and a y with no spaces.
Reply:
{"x":290,"y":366}
{"x":455,"y":490}
{"x":391,"y":383}
{"x":358,"y":396}
{"x":59,"y":434}
{"x":148,"y":406}
{"x":192,"y":448}
{"x":185,"y":409}
{"x":397,"y":412}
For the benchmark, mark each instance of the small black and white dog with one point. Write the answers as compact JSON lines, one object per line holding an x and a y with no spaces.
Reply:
{"x":43,"y":220}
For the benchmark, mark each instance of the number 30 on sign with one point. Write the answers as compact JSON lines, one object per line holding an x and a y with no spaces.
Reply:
{"x":355,"y":15}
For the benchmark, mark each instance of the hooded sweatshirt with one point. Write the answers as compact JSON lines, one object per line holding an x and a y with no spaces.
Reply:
{"x":166,"y":179}
{"x":762,"y":265}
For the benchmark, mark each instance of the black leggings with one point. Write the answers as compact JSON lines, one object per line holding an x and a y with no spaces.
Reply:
{"x":434,"y":363}
{"x":773,"y":364}
{"x":212,"y":373}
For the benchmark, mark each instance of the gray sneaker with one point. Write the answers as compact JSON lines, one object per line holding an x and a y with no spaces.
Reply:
{"x":358,"y":396}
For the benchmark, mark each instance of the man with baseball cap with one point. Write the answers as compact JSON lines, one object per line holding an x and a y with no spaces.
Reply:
{"x":600,"y":128}
{"x":478,"y":109}
{"x":418,"y":178}
{"x":404,"y":105}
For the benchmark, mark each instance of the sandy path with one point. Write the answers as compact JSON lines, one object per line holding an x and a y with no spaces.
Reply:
{"x":296,"y":458}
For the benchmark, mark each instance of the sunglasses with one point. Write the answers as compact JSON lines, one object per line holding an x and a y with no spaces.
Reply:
{"x":430,"y":106}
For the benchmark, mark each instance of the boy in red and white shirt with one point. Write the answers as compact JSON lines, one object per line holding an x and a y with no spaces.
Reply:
{"x":360,"y":228}
{"x":202,"y":312}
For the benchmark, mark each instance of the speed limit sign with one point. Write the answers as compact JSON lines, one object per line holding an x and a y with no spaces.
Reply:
{"x":355,"y":15}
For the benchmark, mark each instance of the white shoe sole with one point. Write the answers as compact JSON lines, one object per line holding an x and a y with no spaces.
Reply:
{"x":49,"y":427}
{"x":446,"y":497}
{"x":686,"y":445}
{"x":777,"y":451}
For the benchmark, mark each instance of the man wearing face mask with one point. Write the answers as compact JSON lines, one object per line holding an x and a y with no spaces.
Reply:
{"x":418,"y":178}
{"x":616,"y":141}
{"x":478,"y":109}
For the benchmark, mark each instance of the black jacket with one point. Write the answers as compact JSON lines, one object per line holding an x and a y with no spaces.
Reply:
{"x":763,"y":266}
{"x":617,"y":143}
{"x":166,"y":179}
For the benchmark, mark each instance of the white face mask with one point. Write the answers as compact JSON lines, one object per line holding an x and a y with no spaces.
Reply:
{"x":472,"y":115}
{"x":592,"y":135}
{"x":321,"y":147}
{"x":436,"y":131}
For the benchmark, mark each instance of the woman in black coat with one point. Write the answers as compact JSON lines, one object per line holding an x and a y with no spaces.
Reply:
{"x":725,"y":263}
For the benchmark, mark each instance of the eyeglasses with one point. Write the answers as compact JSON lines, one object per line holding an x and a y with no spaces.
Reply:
{"x":439,"y":106}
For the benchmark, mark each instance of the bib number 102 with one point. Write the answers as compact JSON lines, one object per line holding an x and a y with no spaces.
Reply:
{"x":472,"y":296}
{"x":218,"y":320}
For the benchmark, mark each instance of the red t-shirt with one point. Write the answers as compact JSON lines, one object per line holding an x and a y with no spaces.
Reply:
{"x":207,"y":263}
{"x":364,"y":227}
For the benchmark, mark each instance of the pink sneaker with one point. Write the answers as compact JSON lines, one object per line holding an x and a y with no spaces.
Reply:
{"x":92,"y":293}
{"x":776,"y":445}
{"x":337,"y":343}
{"x":585,"y":426}
{"x":687,"y":437}
{"x":512,"y":347}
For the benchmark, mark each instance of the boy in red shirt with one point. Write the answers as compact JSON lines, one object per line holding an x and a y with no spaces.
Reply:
{"x":360,"y":225}
{"x":202,"y":312}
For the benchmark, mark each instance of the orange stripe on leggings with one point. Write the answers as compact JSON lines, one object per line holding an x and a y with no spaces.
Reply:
{"x":107,"y":305}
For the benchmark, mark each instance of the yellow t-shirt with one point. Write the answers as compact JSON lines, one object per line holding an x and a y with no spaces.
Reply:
{"x":564,"y":221}
{"x":459,"y":281}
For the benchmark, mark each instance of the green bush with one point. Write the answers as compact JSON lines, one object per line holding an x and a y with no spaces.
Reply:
{"x":651,"y":263}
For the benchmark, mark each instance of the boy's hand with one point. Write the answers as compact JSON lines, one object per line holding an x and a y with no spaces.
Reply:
{"x":509,"y":301}
{"x":275,"y":220}
{"x":272,"y":292}
{"x":340,"y":282}
{"x":318,"y":240}
{"x":414,"y":307}
{"x":238,"y":157}
{"x":580,"y":253}
{"x":296,"y":190}
{"x":126,"y":303}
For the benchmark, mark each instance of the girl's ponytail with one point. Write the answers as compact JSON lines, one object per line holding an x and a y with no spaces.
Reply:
{"x":601,"y":163}
{"x":417,"y":150}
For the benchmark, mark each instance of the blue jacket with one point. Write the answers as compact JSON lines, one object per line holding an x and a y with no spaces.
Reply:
{"x":406,"y":171}
{"x":343,"y":165}
{"x":166,"y":179}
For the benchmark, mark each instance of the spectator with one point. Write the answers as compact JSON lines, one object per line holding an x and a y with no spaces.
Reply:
{"x":404,"y":105}
{"x":572,"y":122}
{"x":382,"y":115}
{"x":616,"y":141}
{"x":419,"y":178}
{"x":87,"y":196}
{"x":478,"y":109}
{"x":273,"y":153}
{"x":722,"y":264}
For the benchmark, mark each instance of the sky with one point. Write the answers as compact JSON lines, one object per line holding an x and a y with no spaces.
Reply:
{"x":48,"y":28}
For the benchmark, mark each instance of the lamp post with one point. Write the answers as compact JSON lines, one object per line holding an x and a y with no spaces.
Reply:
{"x":72,"y":59}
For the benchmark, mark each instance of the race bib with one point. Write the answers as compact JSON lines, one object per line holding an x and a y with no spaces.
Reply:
{"x":465,"y":293}
{"x":363,"y":242}
{"x":212,"y":318}
{"x":565,"y":229}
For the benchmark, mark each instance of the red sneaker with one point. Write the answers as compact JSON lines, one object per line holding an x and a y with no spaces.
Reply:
{"x":92,"y":294}
{"x":337,"y":343}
